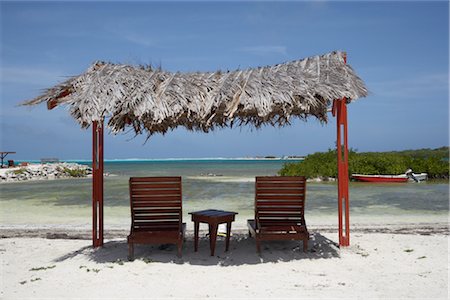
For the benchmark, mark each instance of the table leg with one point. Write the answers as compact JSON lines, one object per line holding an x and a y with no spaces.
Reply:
{"x":212,"y":237}
{"x":228,"y":236}
{"x":196,"y":227}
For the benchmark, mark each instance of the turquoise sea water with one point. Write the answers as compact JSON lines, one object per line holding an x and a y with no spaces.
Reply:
{"x":220,"y":184}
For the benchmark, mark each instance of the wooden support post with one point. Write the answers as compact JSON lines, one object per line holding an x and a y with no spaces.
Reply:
{"x":97,"y":183}
{"x":342,"y":164}
{"x":340,"y":112}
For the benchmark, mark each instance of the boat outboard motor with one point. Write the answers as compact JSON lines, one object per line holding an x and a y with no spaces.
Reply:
{"x":410,"y":174}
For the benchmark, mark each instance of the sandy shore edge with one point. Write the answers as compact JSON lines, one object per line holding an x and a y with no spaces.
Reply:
{"x":86,"y":233}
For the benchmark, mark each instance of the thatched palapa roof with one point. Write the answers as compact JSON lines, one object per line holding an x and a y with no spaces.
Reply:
{"x":154,"y":100}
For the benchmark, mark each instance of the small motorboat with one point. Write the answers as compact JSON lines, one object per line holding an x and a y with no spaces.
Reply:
{"x":380,"y":178}
{"x":409,"y":175}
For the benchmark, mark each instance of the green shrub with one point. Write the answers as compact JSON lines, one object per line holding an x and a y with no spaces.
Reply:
{"x":19,"y":171}
{"x":75,"y":172}
{"x":324,"y":164}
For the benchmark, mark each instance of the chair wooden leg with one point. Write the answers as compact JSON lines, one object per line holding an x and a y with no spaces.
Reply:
{"x":130,"y":251}
{"x":305,"y":245}
{"x":258,"y":245}
{"x":180,"y":247}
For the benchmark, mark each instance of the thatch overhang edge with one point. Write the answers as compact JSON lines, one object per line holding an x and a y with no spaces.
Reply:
{"x":154,"y":100}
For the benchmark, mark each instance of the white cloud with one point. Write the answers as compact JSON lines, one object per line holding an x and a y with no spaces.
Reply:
{"x":138,"y":39}
{"x":420,"y":86}
{"x":132,"y":36}
{"x":265,"y":50}
{"x":26,"y":75}
{"x":150,"y":40}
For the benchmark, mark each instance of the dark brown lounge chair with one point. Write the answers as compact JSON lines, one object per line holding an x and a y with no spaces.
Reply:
{"x":279,"y":210}
{"x":156,"y":212}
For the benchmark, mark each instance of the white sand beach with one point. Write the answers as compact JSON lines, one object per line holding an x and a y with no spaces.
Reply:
{"x":376,"y":265}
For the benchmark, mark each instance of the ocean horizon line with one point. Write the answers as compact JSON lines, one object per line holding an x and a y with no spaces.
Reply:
{"x":268,"y":158}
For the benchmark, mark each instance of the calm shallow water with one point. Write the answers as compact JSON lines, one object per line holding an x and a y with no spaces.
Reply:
{"x":68,"y":202}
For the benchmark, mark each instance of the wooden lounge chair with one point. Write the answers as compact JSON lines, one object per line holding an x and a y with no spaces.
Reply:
{"x":156,"y":212}
{"x":279,"y":210}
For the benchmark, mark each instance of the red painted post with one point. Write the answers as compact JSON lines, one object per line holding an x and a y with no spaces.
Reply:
{"x":97,"y":184}
{"x":100,"y":180}
{"x":94,"y":183}
{"x":340,"y":111}
{"x":342,"y":158}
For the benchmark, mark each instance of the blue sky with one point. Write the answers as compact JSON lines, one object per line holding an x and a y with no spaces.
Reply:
{"x":399,"y":49}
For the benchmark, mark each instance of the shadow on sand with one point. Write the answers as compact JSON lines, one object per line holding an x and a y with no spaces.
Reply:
{"x":242,"y":251}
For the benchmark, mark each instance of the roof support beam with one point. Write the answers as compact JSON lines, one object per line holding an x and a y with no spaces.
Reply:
{"x":51,"y":104}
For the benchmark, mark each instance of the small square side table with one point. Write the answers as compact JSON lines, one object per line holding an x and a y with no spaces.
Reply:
{"x":213,"y":218}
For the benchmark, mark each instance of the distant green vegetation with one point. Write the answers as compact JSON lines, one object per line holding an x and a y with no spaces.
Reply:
{"x":19,"y":171}
{"x":323,"y":164}
{"x":75,"y":172}
{"x":442,"y":152}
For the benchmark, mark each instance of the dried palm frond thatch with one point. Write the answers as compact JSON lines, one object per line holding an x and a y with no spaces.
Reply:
{"x":154,"y":100}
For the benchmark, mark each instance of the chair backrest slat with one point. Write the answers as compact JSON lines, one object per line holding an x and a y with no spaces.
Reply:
{"x":279,"y":200}
{"x":156,"y":203}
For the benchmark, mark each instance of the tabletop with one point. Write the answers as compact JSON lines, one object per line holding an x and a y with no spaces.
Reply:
{"x":213,"y":213}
